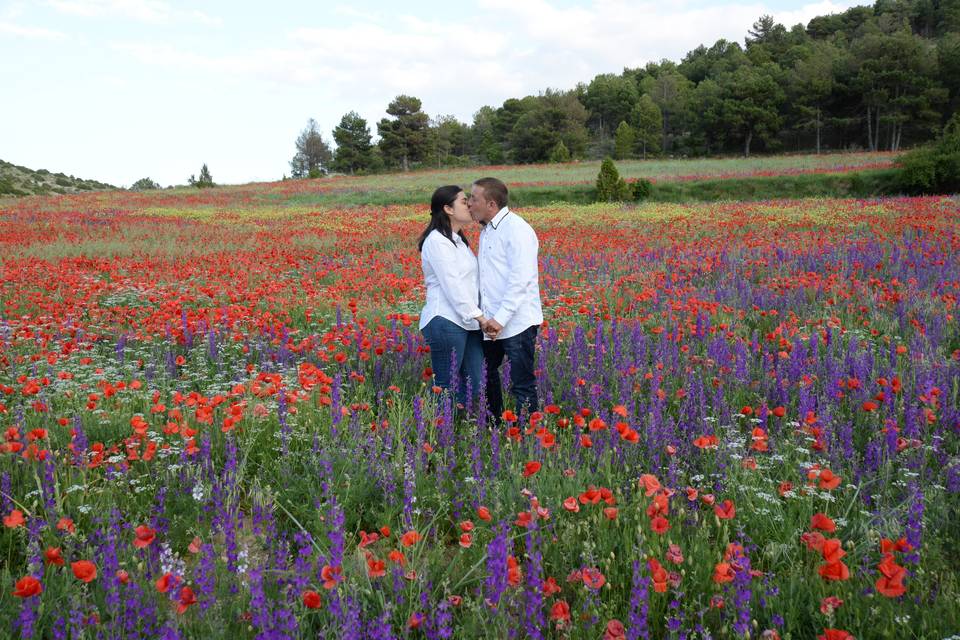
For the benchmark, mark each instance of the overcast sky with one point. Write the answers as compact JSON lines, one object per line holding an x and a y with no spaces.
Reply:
{"x":116,"y":90}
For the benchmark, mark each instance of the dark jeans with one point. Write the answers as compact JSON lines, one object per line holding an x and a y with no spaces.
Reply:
{"x":455,"y":353}
{"x":523,"y":382}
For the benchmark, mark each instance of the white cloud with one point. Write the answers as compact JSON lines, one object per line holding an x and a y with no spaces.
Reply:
{"x":149,"y":11}
{"x":33,"y":33}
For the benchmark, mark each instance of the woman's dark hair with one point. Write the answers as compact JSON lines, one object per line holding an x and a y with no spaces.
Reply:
{"x":439,"y":220}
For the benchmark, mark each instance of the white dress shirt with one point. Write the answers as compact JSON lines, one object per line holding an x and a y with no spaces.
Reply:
{"x":450,"y":273}
{"x":509,"y":273}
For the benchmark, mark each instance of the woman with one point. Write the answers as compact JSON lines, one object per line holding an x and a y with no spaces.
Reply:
{"x":451,"y":318}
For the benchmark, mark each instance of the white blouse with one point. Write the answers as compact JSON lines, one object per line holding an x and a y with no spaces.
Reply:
{"x":451,"y":276}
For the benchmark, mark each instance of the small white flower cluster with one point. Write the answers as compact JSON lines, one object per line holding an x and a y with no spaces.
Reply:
{"x":171,"y":562}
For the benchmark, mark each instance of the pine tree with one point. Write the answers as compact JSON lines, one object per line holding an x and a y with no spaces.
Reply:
{"x":313,"y":154}
{"x":353,"y":152}
{"x":205,"y":180}
{"x":624,"y":140}
{"x":560,"y":153}
{"x":610,"y":186}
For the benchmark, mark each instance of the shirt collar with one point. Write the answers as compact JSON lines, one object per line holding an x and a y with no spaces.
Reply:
{"x":497,"y":219}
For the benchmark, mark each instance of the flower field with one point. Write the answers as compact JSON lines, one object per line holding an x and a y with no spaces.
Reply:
{"x":218,"y":421}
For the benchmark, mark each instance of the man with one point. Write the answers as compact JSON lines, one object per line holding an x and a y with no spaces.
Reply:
{"x":509,"y":295}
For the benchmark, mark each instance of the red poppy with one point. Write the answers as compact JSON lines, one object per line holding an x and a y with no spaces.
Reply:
{"x":725,"y":510}
{"x":706,"y":442}
{"x":835,"y":634}
{"x":834,"y":571}
{"x":195,"y":545}
{"x":660,"y":525}
{"x":593,"y":578}
{"x":530,"y":468}
{"x":484,"y":514}
{"x":186,"y":599}
{"x":52,"y":556}
{"x":144,"y":536}
{"x":610,"y":513}
{"x":674,"y":554}
{"x":832,"y":550}
{"x":822,"y":522}
{"x":27,"y":587}
{"x":122,"y":576}
{"x":658,"y":574}
{"x":65,"y":524}
{"x":509,"y":416}
{"x":830,"y":604}
{"x":410,"y":538}
{"x":829,"y":480}
{"x":560,"y":612}
{"x":571,"y":505}
{"x":649,"y":484}
{"x":14,"y":520}
{"x":614,"y":631}
{"x":311,"y":599}
{"x":466,"y":540}
{"x":415,"y":620}
{"x":890,"y":583}
{"x":723,"y":572}
{"x":165,"y":582}
{"x":84,"y":570}
{"x":813,"y":539}
{"x":514,"y":574}
{"x":779,"y":411}
{"x":550,"y":586}
{"x":330,"y":576}
{"x":376,"y":568}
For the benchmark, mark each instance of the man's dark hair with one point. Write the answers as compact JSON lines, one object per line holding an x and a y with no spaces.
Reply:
{"x":494,"y":190}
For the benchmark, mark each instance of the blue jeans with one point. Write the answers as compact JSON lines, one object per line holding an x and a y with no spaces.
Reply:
{"x":523,"y":381}
{"x":455,"y":355}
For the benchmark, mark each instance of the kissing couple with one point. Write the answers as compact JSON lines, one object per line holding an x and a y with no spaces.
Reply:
{"x":484,"y":306}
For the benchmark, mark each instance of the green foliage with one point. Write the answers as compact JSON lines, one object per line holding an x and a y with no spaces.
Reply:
{"x":543,"y":121}
{"x":354,"y":151}
{"x":610,"y":99}
{"x":610,"y":186}
{"x":560,"y":153}
{"x":936,"y":167}
{"x":144,"y":184}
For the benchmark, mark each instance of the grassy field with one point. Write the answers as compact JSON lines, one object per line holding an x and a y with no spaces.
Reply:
{"x":219,"y":421}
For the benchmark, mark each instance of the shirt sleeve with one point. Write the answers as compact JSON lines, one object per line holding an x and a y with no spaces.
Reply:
{"x":445,"y":258}
{"x":522,"y":268}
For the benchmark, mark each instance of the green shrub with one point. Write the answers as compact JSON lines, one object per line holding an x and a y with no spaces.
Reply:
{"x":610,"y":186}
{"x":144,"y":184}
{"x":642,"y":189}
{"x":934,"y":168}
{"x":560,"y":153}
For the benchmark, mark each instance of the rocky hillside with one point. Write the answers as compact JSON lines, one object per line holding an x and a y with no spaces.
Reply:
{"x":21,"y":181}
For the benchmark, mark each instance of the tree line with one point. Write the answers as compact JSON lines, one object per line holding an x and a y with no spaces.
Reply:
{"x":881,"y":77}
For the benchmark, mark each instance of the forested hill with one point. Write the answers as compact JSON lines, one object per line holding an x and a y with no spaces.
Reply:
{"x":21,"y":181}
{"x":881,"y":78}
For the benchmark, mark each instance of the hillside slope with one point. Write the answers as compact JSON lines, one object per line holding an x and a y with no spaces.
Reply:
{"x":21,"y":181}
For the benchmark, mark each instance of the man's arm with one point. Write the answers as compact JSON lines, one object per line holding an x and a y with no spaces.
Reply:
{"x":522,"y":268}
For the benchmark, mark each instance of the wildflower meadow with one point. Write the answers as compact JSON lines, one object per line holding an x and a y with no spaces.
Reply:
{"x":218,"y":420}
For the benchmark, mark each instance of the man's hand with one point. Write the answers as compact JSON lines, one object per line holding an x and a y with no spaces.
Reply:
{"x":492,"y":328}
